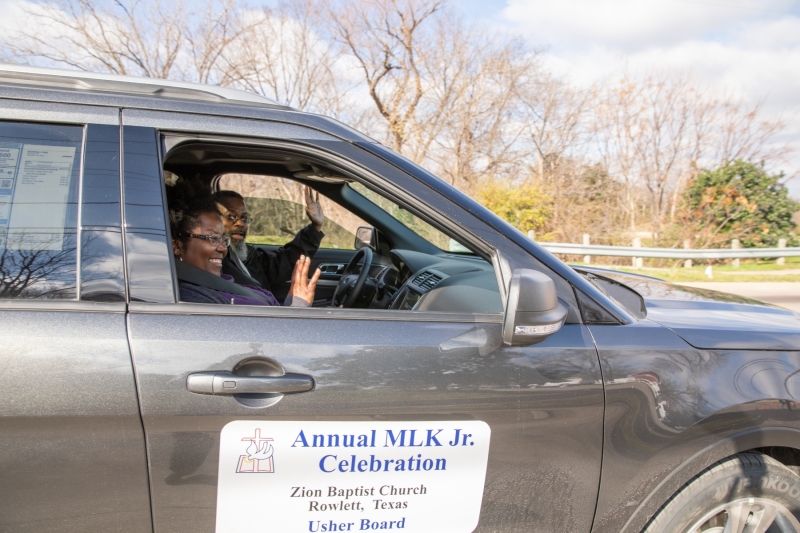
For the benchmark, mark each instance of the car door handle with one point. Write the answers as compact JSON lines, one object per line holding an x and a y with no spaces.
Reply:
{"x":227,"y":384}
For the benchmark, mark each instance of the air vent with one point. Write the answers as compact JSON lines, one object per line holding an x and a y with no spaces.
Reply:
{"x":426,"y":280}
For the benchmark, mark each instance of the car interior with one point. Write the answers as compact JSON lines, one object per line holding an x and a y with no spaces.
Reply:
{"x":412,"y":265}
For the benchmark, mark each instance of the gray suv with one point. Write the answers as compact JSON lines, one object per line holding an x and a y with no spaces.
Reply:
{"x":451,"y":375}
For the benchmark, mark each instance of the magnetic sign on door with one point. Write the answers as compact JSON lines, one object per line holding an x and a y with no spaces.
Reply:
{"x":351,"y":476}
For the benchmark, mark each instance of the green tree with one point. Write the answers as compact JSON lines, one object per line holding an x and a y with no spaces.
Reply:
{"x":523,"y":205}
{"x":739,"y":200}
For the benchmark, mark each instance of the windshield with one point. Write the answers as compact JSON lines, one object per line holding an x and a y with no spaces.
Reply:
{"x":411,"y":221}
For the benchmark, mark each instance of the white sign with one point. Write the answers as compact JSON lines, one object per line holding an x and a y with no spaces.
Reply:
{"x":40,"y":197}
{"x":8,"y":165}
{"x":321,"y":477}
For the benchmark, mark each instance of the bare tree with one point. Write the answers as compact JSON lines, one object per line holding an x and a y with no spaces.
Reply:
{"x":285,"y":56}
{"x":447,"y":93}
{"x":121,"y":38}
{"x":389,"y":42}
{"x":154,"y":38}
{"x":555,"y":118}
{"x":617,"y":125}
{"x":480,"y":120}
{"x":743,"y":133}
{"x":655,"y":133}
{"x":209,"y":41}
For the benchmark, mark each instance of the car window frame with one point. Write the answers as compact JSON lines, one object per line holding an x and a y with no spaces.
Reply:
{"x":46,"y":113}
{"x":68,"y":114}
{"x":171,"y":140}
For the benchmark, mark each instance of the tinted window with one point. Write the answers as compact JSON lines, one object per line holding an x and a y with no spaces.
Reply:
{"x":101,"y":196}
{"x":147,"y":249}
{"x":39,"y":179}
{"x":102,"y":276}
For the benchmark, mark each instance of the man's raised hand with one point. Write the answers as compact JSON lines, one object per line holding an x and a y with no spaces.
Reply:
{"x":314,"y":208}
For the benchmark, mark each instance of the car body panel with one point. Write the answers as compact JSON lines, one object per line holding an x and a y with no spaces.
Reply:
{"x":73,"y":449}
{"x":666,"y":401}
{"x":377,"y":370}
{"x":711,"y":319}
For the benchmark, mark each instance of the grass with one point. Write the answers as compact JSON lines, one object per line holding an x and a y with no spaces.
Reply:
{"x":748,"y":271}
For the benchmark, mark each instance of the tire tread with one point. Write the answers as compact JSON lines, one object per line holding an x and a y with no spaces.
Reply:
{"x":741,"y":461}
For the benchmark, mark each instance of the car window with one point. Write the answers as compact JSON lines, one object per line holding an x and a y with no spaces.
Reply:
{"x":431,"y":273}
{"x":411,"y":221}
{"x":277,"y":209}
{"x":39,"y":182}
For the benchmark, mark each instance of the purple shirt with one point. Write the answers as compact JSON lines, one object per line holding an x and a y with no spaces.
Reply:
{"x":238,"y":299}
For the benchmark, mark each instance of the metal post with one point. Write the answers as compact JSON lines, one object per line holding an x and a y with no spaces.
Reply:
{"x":735,"y":246}
{"x":781,"y":244}
{"x":637,"y":261}
{"x":531,"y":235}
{"x":586,"y":258}
{"x":687,"y":244}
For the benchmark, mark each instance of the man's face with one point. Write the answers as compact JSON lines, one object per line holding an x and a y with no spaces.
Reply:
{"x":237,"y":221}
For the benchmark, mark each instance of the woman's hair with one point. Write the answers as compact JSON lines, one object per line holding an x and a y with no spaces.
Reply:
{"x":187,"y":200}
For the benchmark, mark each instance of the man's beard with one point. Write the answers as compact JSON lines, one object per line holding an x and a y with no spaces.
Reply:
{"x":239,"y":247}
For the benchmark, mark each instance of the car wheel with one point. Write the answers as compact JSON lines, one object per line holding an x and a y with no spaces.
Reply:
{"x":746,"y":493}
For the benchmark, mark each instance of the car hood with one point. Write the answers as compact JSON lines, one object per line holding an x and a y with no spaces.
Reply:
{"x":712,"y":319}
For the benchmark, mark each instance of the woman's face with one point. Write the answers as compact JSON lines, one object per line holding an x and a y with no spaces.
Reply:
{"x":200,"y":252}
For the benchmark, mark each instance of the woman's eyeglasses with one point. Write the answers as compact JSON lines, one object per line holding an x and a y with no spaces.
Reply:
{"x":215,"y":240}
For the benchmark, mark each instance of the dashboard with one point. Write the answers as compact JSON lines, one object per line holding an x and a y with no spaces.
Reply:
{"x":451,"y":283}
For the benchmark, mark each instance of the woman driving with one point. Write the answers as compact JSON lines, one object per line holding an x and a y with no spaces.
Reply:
{"x":199,"y":243}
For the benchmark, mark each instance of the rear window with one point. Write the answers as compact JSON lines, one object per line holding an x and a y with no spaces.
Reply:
{"x":39,"y":178}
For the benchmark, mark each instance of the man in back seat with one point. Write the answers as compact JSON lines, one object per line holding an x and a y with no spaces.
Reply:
{"x":269,"y":269}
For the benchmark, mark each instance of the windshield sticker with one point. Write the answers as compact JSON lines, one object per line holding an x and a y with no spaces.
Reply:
{"x":351,"y":476}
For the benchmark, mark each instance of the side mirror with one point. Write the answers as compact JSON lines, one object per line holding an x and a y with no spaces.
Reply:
{"x":533,"y":311}
{"x":366,"y":238}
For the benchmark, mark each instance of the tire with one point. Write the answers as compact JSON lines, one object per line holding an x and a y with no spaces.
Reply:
{"x":745,"y":493}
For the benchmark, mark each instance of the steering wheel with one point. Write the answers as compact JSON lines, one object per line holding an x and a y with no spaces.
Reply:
{"x":352,"y":283}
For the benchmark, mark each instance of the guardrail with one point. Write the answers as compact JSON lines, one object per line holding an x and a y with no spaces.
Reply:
{"x":669,"y":253}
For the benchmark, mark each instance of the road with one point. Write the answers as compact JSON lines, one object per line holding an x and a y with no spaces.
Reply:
{"x":784,"y":294}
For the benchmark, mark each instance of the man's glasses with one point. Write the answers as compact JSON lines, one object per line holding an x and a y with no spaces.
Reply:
{"x":230,"y":217}
{"x":215,"y":240}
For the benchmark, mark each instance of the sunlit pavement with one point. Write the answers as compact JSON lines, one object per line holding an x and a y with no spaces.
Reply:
{"x":784,"y":294}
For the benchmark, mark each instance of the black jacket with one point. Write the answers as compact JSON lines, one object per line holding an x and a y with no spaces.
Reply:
{"x":272,"y":268}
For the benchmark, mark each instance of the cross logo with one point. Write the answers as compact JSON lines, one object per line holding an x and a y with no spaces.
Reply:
{"x":259,"y":455}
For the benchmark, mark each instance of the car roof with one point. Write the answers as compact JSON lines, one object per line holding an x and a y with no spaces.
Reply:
{"x":19,"y":82}
{"x":79,"y":80}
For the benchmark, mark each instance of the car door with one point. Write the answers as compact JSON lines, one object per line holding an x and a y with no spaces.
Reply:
{"x":538,"y":408}
{"x":73,"y":453}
